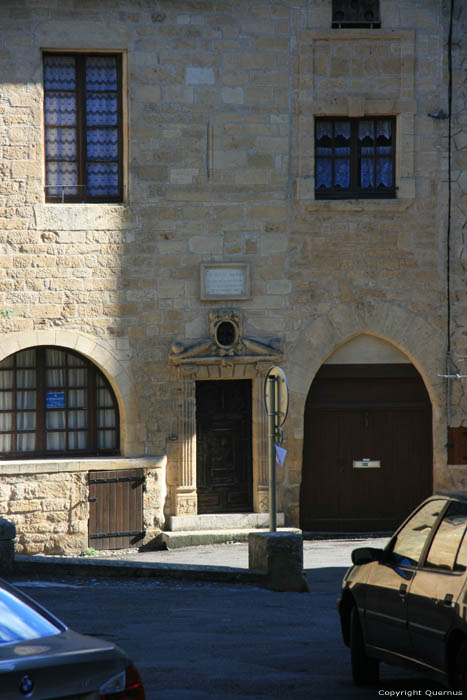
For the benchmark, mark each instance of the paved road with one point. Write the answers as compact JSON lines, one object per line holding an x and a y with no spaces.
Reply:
{"x":225,"y":642}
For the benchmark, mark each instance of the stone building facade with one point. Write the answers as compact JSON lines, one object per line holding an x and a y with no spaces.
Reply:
{"x":220,"y":253}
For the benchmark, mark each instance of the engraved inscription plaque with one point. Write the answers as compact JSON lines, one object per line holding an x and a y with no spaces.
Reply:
{"x":225,"y":281}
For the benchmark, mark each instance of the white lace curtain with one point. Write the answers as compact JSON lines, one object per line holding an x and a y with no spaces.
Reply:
{"x":333,"y":154}
{"x":100,"y":125}
{"x":63,"y":396}
{"x":333,"y":138}
{"x":375,"y":139}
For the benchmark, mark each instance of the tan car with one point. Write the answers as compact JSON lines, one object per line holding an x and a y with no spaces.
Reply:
{"x":407,"y":603}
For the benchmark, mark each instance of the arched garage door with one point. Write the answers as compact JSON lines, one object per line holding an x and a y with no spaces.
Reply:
{"x":367,"y":457}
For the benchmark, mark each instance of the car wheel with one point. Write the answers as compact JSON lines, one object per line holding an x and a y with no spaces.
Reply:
{"x":364,"y":669}
{"x":460,"y":672}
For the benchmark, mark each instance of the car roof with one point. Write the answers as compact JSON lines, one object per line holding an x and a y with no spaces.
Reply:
{"x":457,"y":496}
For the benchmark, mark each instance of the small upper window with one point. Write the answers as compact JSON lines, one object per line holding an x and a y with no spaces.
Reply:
{"x":355,"y":14}
{"x":83,"y":127}
{"x":354,"y":157}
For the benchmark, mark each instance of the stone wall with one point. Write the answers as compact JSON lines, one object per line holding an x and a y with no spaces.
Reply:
{"x":48,"y":502}
{"x":219,"y":101}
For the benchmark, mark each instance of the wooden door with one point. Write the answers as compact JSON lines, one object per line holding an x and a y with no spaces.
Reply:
{"x":380,"y":413}
{"x":116,"y":508}
{"x":224,"y":450}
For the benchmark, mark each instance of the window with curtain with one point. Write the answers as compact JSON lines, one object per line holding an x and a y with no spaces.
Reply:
{"x":83,"y":127}
{"x":55,"y":402}
{"x":354,"y":158}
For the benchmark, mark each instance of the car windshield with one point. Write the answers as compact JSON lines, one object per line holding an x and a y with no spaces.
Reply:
{"x":19,"y":621}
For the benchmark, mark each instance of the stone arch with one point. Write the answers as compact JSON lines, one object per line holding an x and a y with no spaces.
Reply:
{"x":411,"y":334}
{"x":97,"y":351}
{"x":420,"y":341}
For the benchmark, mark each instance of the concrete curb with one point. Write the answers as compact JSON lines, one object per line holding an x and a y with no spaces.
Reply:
{"x":56,"y":566}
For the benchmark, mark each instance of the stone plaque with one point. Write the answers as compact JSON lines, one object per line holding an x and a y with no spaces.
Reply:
{"x":225,"y":281}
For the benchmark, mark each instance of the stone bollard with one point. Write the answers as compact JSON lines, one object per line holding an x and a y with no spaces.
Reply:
{"x":279,"y":555}
{"x":7,"y":547}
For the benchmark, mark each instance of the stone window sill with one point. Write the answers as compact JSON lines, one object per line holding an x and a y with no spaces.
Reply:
{"x":55,"y":466}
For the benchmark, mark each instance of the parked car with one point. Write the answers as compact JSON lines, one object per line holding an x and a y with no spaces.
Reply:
{"x":407,"y":603}
{"x":41,"y":659}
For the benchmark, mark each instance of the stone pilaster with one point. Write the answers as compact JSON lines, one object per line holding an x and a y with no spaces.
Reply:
{"x":186,"y":499}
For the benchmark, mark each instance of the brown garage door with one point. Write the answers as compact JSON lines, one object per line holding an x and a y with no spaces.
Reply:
{"x":367,"y":458}
{"x":116,"y":508}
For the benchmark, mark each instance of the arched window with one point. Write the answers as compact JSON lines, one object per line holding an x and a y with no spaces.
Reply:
{"x":55,"y":402}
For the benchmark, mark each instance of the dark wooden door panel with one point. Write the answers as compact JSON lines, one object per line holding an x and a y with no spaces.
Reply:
{"x":116,"y":508}
{"x":365,"y":418}
{"x":457,"y":445}
{"x":223,"y":437}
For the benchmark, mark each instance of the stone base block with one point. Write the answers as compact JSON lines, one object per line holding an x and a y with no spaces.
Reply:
{"x":278,"y":555}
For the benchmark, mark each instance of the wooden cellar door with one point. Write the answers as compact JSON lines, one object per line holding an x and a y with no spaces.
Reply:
{"x":116,"y":508}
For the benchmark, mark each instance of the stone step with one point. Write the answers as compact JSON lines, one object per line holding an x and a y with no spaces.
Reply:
{"x":222,"y":521}
{"x":192,"y":538}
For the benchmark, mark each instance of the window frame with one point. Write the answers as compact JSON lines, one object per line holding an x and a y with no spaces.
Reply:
{"x":354,"y":18}
{"x":40,"y":410}
{"x":433,"y":546}
{"x":354,"y":191}
{"x":81,"y":130}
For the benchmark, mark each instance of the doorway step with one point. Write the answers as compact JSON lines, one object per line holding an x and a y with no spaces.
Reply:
{"x":221,"y":528}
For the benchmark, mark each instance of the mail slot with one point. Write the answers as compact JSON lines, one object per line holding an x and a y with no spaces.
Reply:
{"x":366,"y":464}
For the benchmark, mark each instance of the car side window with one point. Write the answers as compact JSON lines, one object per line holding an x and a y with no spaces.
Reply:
{"x":461,"y":559}
{"x":410,"y":540}
{"x":447,"y":540}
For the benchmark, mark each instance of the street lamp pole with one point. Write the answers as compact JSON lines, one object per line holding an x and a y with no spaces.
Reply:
{"x":272,"y":454}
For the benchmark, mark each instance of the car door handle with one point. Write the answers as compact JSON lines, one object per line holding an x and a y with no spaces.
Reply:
{"x":403,"y":591}
{"x":448,"y":598}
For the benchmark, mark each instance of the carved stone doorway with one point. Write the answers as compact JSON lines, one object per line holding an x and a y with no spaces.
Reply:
{"x":216,"y":367}
{"x":224,"y":446}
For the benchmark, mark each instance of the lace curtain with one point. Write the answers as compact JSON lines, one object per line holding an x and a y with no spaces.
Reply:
{"x":55,"y":391}
{"x":21,"y":394}
{"x":101,"y":120}
{"x":100,"y":126}
{"x":69,"y":379}
{"x":333,"y":138}
{"x":334,"y":154}
{"x":60,"y":106}
{"x":106,"y":418}
{"x":375,"y":141}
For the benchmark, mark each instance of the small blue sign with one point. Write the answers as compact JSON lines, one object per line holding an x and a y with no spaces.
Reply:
{"x":55,"y":399}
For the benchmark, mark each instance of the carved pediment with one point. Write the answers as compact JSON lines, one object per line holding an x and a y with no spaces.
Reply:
{"x":226,"y":341}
